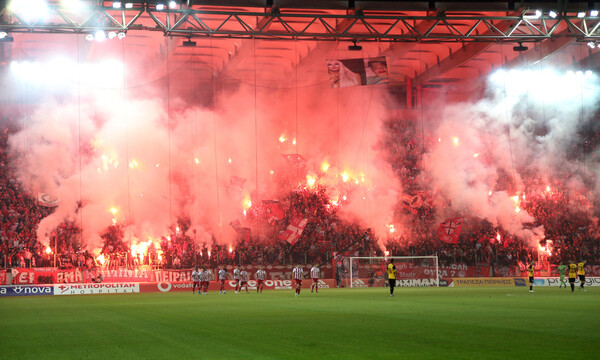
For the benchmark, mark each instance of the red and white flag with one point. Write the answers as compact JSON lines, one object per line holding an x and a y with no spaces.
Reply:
{"x":294,"y":230}
{"x":273,"y":210}
{"x":236,"y":184}
{"x":295,"y":160}
{"x":413,"y":203}
{"x":243,"y":231}
{"x":449,"y":230}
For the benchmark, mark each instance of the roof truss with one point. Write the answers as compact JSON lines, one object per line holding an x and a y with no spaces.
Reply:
{"x":310,"y":25}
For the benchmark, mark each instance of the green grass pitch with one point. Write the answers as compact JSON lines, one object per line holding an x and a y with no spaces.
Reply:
{"x":418,"y":323}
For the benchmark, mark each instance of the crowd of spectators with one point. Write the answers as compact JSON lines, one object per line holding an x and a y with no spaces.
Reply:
{"x":19,"y":213}
{"x":570,"y":232}
{"x":566,"y":216}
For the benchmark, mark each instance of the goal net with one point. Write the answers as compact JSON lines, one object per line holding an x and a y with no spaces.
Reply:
{"x":410,"y":271}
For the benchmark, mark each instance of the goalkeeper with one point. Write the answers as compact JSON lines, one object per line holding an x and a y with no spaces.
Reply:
{"x":560,"y":270}
{"x":391,"y":275}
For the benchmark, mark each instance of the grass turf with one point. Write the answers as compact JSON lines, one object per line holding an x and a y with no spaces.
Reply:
{"x":418,"y":323}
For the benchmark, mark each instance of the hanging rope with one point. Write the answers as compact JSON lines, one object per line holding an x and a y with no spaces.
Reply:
{"x":549,"y":174}
{"x":255,"y":127}
{"x":582,"y":78}
{"x":421,"y":101}
{"x":337,"y":124}
{"x":126,"y":143}
{"x":80,"y":210}
{"x":212,"y":76}
{"x":296,"y":110}
{"x":193,"y":136}
{"x":169,"y":135}
{"x":507,"y":116}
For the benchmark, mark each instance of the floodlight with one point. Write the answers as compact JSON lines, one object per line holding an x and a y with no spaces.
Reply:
{"x":355,"y":47}
{"x":2,"y":34}
{"x":116,"y":5}
{"x":112,"y":35}
{"x":89,"y":37}
{"x":552,"y":14}
{"x":160,"y":7}
{"x":580,"y":14}
{"x":589,"y":73}
{"x":594,"y":13}
{"x":592,"y":44}
{"x":189,"y":43}
{"x":520,"y":47}
{"x":128,"y":5}
{"x":72,"y":4}
{"x":100,"y":35}
{"x":29,"y":10}
{"x":538,"y":14}
{"x":172,"y":4}
{"x":121,"y":35}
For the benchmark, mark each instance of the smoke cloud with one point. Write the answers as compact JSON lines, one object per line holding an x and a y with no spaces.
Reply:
{"x":142,"y":156}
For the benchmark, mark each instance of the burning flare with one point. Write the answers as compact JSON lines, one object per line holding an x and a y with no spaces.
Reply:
{"x":133,"y":164}
{"x":345,"y":176}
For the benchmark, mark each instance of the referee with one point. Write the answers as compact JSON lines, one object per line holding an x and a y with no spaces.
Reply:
{"x":391,"y":272}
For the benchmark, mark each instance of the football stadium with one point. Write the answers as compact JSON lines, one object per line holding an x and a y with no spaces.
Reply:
{"x":280,"y":179}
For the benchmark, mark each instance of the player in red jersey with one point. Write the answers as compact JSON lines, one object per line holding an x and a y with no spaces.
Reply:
{"x":243,"y":280}
{"x":297,"y":276}
{"x":196,"y":280}
{"x":223,"y":275}
{"x":261,"y":275}
{"x":314,"y":273}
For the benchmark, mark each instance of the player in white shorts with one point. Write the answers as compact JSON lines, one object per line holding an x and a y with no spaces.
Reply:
{"x":223,"y":275}
{"x":314,"y":274}
{"x":196,"y":280}
{"x":261,"y":276}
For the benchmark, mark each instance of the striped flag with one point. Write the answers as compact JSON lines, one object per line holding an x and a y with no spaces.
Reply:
{"x":294,"y":230}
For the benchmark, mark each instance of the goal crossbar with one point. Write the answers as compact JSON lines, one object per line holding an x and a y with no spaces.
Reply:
{"x":433,"y":257}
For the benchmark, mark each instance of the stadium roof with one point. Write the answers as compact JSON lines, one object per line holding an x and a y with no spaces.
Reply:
{"x":432,"y":43}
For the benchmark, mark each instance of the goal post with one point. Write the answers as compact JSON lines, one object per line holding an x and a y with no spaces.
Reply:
{"x":367,"y":271}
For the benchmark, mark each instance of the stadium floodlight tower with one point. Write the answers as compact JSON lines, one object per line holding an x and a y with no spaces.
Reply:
{"x":412,"y":270}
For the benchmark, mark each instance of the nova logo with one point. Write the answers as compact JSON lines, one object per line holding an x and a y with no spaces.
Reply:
{"x":25,"y":290}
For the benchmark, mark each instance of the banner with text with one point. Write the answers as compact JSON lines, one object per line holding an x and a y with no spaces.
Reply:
{"x":26,"y":290}
{"x":96,"y":289}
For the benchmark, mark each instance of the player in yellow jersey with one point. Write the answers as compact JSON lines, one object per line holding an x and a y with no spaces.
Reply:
{"x":530,"y":270}
{"x":572,"y":275}
{"x":581,"y":273}
{"x":391,"y":272}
